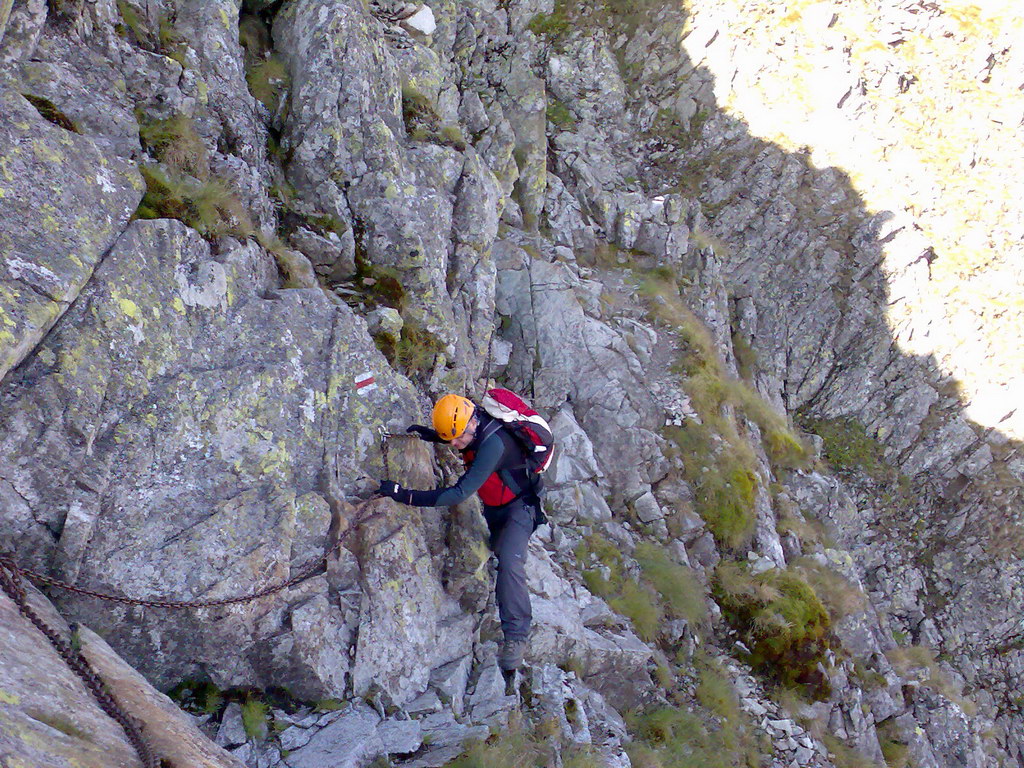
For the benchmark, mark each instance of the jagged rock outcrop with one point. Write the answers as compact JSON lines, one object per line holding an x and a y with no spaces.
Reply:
{"x":544,"y":193}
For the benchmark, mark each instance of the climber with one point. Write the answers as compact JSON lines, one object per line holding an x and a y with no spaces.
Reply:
{"x":496,"y":469}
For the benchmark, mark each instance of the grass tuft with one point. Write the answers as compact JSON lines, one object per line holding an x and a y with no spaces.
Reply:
{"x":682,"y":594}
{"x":254,"y":718}
{"x":208,"y":207}
{"x":176,"y":142}
{"x":198,"y":697}
{"x":636,"y":602}
{"x":554,"y":26}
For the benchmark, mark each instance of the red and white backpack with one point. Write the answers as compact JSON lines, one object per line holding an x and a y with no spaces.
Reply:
{"x":527,"y":426}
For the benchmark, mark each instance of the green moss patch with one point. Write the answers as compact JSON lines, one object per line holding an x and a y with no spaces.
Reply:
{"x":49,"y":112}
{"x":267,"y":80}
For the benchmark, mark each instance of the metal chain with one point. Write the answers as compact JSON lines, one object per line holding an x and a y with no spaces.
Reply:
{"x":11,"y":582}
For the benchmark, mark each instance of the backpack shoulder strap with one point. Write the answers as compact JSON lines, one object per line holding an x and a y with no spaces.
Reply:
{"x":492,"y":427}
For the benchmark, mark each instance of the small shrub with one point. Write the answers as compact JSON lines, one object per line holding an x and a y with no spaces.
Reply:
{"x":849,"y":447}
{"x":417,"y":350}
{"x":780,"y":619}
{"x":254,"y":718}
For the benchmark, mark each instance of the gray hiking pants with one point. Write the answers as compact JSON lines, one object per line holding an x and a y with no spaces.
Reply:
{"x":510,"y":527}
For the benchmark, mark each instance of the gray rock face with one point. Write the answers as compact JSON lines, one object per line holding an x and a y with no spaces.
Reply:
{"x":406,"y":200}
{"x":165,"y":328}
{"x":40,"y":695}
{"x":351,"y":741}
{"x":614,"y":663}
{"x":63,"y":201}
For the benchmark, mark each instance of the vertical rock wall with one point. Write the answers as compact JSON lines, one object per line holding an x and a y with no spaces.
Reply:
{"x":545,"y":194}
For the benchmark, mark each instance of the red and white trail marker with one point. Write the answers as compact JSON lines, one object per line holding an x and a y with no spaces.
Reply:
{"x":365,"y":383}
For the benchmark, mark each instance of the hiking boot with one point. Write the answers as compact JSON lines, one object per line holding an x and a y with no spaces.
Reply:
{"x":510,"y":657}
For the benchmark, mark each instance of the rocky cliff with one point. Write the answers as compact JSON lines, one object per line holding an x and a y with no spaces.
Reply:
{"x":243,"y":238}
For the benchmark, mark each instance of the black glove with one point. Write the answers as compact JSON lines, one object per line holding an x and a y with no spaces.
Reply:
{"x":393,"y":490}
{"x":424,"y":433}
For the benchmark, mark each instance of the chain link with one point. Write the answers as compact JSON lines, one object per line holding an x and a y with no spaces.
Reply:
{"x":11,"y":575}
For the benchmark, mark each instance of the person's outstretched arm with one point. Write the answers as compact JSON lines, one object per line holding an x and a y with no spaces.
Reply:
{"x":486,"y":461}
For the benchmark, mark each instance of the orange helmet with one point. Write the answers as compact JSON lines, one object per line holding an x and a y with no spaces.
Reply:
{"x":451,"y":416}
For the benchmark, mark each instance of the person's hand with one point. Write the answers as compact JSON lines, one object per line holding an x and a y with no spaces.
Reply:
{"x":393,"y":490}
{"x":424,"y":433}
